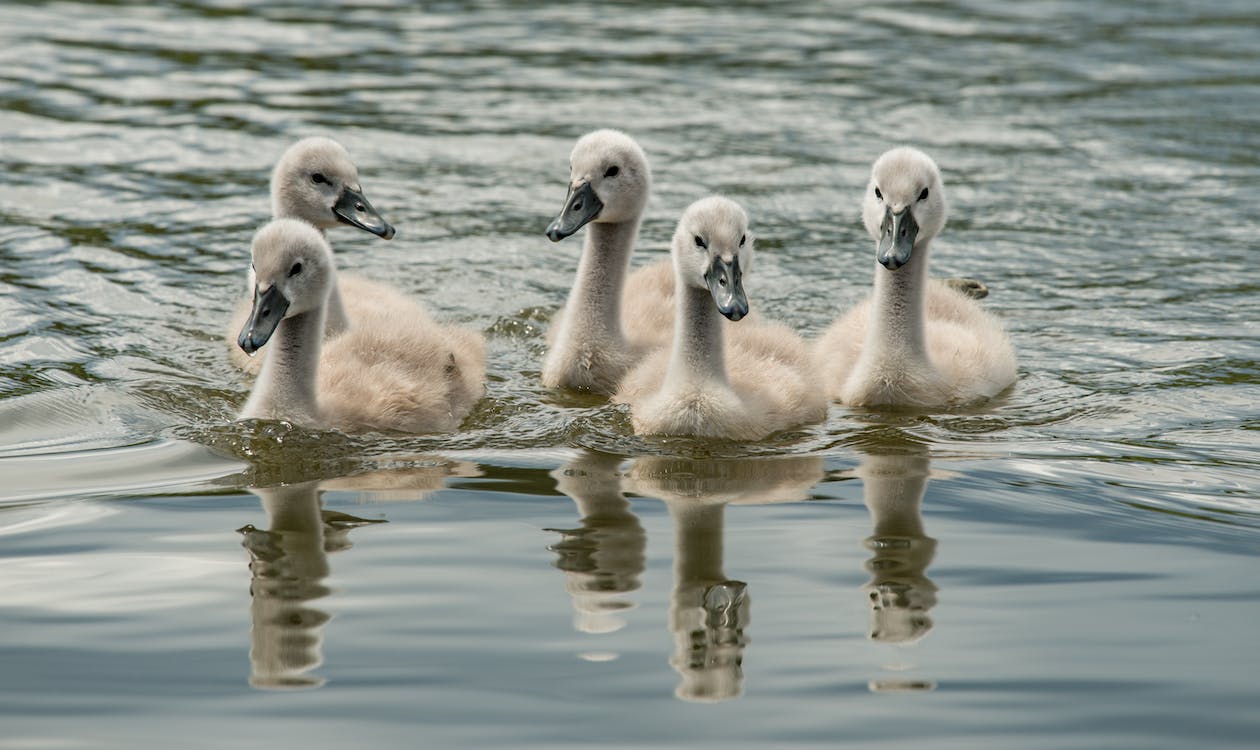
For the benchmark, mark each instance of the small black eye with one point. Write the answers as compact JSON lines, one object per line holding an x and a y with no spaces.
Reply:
{"x":296,"y":269}
{"x":742,"y":238}
{"x":923,"y":195}
{"x":878,"y":194}
{"x":700,"y":242}
{"x":318,"y":178}
{"x":613,"y":171}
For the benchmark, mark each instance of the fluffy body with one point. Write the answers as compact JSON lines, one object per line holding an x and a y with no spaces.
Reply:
{"x":740,"y":381}
{"x":647,"y":307}
{"x":968,"y":356}
{"x":399,"y":370}
{"x":393,"y":368}
{"x":914,"y":342}
{"x":294,"y":195}
{"x":763,"y":394}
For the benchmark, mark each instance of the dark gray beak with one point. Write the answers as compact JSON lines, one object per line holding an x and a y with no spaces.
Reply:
{"x":581,"y":206}
{"x":727,"y":287}
{"x":353,"y":208}
{"x":896,"y":238}
{"x":269,"y":309}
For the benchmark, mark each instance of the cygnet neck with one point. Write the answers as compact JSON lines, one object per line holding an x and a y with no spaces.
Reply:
{"x":335,"y":318}
{"x":286,"y":384}
{"x":595,"y":303}
{"x":699,"y":352}
{"x":898,"y":316}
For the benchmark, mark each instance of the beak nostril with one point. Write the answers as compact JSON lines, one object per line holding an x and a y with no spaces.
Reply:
{"x":360,"y":207}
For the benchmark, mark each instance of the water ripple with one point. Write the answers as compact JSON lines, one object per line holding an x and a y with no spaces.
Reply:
{"x":138,"y":142}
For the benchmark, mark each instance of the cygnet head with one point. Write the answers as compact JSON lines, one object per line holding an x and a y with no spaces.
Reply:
{"x":712,"y":249}
{"x":609,"y":182}
{"x":316,"y":181}
{"x":293,"y":271}
{"x":904,"y":204}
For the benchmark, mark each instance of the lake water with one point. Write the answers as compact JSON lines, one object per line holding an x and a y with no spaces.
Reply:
{"x":1074,"y":566}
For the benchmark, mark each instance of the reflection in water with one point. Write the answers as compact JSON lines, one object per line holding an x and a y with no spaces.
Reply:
{"x":899,"y":591}
{"x":289,"y":562}
{"x":408,"y":478}
{"x":709,"y":612}
{"x":603,"y":558}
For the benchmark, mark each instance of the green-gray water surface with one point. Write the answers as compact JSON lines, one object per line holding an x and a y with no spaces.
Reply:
{"x":1072,"y":566}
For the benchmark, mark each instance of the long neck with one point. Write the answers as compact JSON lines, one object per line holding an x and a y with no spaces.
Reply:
{"x":898,"y":311}
{"x":335,"y":318}
{"x":699,"y":353}
{"x":286,"y":385}
{"x":595,"y":302}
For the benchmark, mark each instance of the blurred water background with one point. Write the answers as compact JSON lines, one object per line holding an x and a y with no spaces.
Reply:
{"x":1074,"y":566}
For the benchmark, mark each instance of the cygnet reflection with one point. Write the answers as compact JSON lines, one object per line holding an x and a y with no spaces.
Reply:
{"x":899,"y":593}
{"x":408,"y":478}
{"x":288,"y":564}
{"x":603,"y":558}
{"x":710,"y":612}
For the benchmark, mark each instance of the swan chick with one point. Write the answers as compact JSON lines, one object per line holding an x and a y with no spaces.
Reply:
{"x":393,"y":369}
{"x":736,"y":384}
{"x":316,"y":181}
{"x":913,"y":342}
{"x":609,"y":321}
